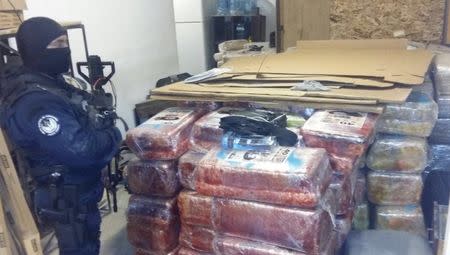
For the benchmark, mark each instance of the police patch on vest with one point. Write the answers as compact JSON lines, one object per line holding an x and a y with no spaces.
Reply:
{"x":49,"y":125}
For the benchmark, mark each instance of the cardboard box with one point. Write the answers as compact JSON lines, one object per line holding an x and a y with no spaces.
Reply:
{"x":11,"y":5}
{"x":10,"y":19}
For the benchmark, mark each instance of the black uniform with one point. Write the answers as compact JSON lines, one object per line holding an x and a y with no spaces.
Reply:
{"x":49,"y":120}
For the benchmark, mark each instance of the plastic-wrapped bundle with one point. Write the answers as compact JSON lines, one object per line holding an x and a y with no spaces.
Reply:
{"x":195,"y":209}
{"x":441,"y":73}
{"x":402,"y":218}
{"x":360,"y":194}
{"x":232,"y":245}
{"x":343,"y":165}
{"x":443,"y":102}
{"x":343,"y":226}
{"x":284,"y":175}
{"x":206,"y":132}
{"x":340,"y":133}
{"x":153,"y":178}
{"x":197,"y":238}
{"x":187,"y":251}
{"x":426,"y":88}
{"x":153,"y":224}
{"x":165,"y":136}
{"x":389,"y":188}
{"x":306,"y":231}
{"x":361,"y":217}
{"x":416,"y":117}
{"x":144,"y":252}
{"x":440,"y":159}
{"x":398,"y":153}
{"x":441,"y":132}
{"x":187,"y":166}
{"x":342,"y":187}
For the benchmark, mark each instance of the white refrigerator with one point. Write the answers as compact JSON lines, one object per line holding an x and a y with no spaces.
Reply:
{"x":193,"y":21}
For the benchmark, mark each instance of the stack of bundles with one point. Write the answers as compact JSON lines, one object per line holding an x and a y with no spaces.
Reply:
{"x":153,"y":220}
{"x":441,"y":75}
{"x":346,"y":137}
{"x":260,"y":202}
{"x":395,"y":184}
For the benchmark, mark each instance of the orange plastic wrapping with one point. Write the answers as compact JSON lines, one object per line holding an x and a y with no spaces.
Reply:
{"x":340,"y":133}
{"x":197,"y":238}
{"x":284,"y":175}
{"x":195,"y":209}
{"x":165,"y":136}
{"x":153,"y":224}
{"x":153,"y":178}
{"x":187,"y":251}
{"x":187,"y":166}
{"x":297,"y":229}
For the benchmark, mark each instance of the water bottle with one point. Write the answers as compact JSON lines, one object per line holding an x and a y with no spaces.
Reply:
{"x":236,"y":7}
{"x":223,"y":8}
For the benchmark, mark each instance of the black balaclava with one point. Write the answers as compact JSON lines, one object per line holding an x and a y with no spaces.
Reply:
{"x":33,"y":37}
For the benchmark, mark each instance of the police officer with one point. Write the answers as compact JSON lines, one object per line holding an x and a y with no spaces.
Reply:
{"x":49,"y":121}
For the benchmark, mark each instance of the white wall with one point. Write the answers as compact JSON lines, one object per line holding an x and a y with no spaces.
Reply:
{"x":138,"y":35}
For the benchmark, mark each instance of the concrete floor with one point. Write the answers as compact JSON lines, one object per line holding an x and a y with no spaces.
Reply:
{"x":113,"y":238}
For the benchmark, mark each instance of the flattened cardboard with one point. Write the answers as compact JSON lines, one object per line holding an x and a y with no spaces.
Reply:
{"x":11,"y":5}
{"x":247,"y":64}
{"x":327,"y":106}
{"x":400,"y":44}
{"x":390,"y":95}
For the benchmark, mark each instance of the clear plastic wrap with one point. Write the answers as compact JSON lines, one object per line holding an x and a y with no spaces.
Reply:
{"x":416,"y":117}
{"x":165,"y":136}
{"x":302,"y":230}
{"x":443,"y":102}
{"x":441,"y":73}
{"x":398,"y":153}
{"x":403,"y":218}
{"x":144,"y":252}
{"x":187,"y":251}
{"x":153,"y":178}
{"x":361,"y":220}
{"x":284,"y":175}
{"x":441,"y":132}
{"x":418,"y":107}
{"x":153,"y":224}
{"x":426,"y":88}
{"x":342,"y":187}
{"x":232,"y":245}
{"x":440,"y":160}
{"x":206,"y":133}
{"x":340,"y":133}
{"x":187,"y":166}
{"x":343,"y":165}
{"x":343,"y":226}
{"x":197,"y":238}
{"x":360,"y":195}
{"x":195,"y":209}
{"x":389,"y":188}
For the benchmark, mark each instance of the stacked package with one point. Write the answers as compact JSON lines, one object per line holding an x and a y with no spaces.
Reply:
{"x":259,"y":202}
{"x":346,"y":137}
{"x":153,"y":219}
{"x":441,"y":76}
{"x":397,"y":160}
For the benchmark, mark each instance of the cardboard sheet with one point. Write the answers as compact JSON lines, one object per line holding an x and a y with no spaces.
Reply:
{"x":390,"y":95}
{"x":326,"y":106}
{"x":400,"y":44}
